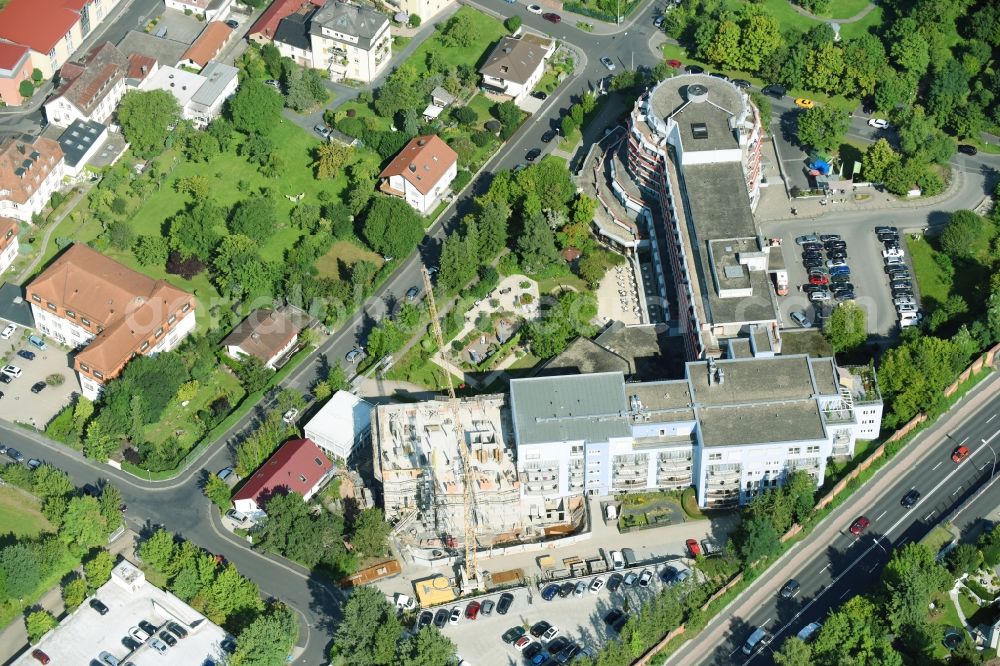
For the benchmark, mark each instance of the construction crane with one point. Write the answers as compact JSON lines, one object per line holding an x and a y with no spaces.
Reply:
{"x":471,"y":565}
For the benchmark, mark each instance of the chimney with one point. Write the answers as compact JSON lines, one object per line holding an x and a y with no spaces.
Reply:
{"x":422,"y":142}
{"x":721,"y":376}
{"x":413,"y":168}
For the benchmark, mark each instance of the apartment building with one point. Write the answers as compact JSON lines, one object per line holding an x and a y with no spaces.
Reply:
{"x":731,"y":428}
{"x":342,"y":427}
{"x":90,"y":89}
{"x":421,"y":173}
{"x":31,"y":169}
{"x":350,"y":41}
{"x":265,"y":27}
{"x":108,"y":312}
{"x":689,"y":170}
{"x":211,"y":10}
{"x":9,"y":244}
{"x":200,"y":96}
{"x":425,"y":9}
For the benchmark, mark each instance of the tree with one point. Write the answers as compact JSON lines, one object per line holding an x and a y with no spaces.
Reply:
{"x":964,"y":559}
{"x":794,"y":652}
{"x":457,"y":264}
{"x":158,"y":550}
{"x":231,"y":595}
{"x":254,"y":218}
{"x":253,"y":374}
{"x":463,"y":115}
{"x":74,"y":592}
{"x":111,"y":501}
{"x":908,"y":47}
{"x":911,"y":578}
{"x":824,"y":68}
{"x":512,"y":23}
{"x":218,"y":491}
{"x":878,"y":158}
{"x":83,"y":524}
{"x":145,"y":118}
{"x":201,"y":146}
{"x":800,"y":487}
{"x":822,"y":127}
{"x":257,"y":148}
{"x":98,"y":569}
{"x":509,"y":116}
{"x":370,"y":532}
{"x":331,"y":158}
{"x":948,"y":90}
{"x":491,"y":225}
{"x":399,"y":92}
{"x":39,"y":623}
{"x":255,"y":108}
{"x":865,"y":63}
{"x":369,"y":631}
{"x":48,"y":481}
{"x":292,"y":530}
{"x":239,"y":269}
{"x":428,"y":648}
{"x":761,"y":540}
{"x":193,"y":231}
{"x":268,"y":639}
{"x":853,"y":634}
{"x":967,"y":235}
{"x":151,"y":250}
{"x":847,"y":327}
{"x":222,"y":130}
{"x":298,"y":96}
{"x":392,"y":228}
{"x":26,"y":88}
{"x":536,"y":246}
{"x":459,"y":31}
{"x":912,"y":375}
{"x":724,"y":48}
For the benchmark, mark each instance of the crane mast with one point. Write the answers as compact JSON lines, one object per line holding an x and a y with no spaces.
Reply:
{"x":471,"y":565}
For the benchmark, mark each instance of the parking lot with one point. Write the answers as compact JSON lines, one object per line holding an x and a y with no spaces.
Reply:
{"x":871,"y":285}
{"x":18,"y":402}
{"x":180,"y":27}
{"x":579,"y":619}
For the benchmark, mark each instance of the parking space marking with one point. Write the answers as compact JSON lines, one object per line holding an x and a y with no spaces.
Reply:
{"x":872,"y":570}
{"x":880,"y":515}
{"x":936,"y":466}
{"x":846,"y":592}
{"x":829,"y":564}
{"x":928,"y":516}
{"x":989,"y":419}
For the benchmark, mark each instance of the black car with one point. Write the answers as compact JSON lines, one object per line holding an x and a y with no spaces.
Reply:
{"x":232,"y":24}
{"x":512,"y":634}
{"x":532,"y":649}
{"x":812,"y":254}
{"x":897,"y":268}
{"x":425,"y":620}
{"x":5,"y":378}
{"x":539,"y":94}
{"x":899,"y":275}
{"x":168,"y":638}
{"x":774,"y":90}
{"x":15,"y":455}
{"x":614,"y":582}
{"x":844,"y":295}
{"x":742,"y":84}
{"x":790,"y":589}
{"x":177,"y":629}
{"x":884,"y":230}
{"x":532,"y":154}
{"x":910,"y":498}
{"x":147,"y":627}
{"x":38,"y":387}
{"x":557,"y":644}
{"x":411,"y":294}
{"x":540,"y":628}
{"x":548,"y":136}
{"x":567,"y":653}
{"x":719,"y":75}
{"x":613,"y":616}
{"x":837,"y":254}
{"x":98,"y":606}
{"x":550,"y":592}
{"x":503,"y":605}
{"x":812,"y":288}
{"x":130,"y":643}
{"x":441,"y":618}
{"x":668,"y":574}
{"x":813,"y":262}
{"x":903,"y":284}
{"x":812,"y":247}
{"x":967,"y":149}
{"x":26,"y":355}
{"x":694,"y":69}
{"x":835,"y":245}
{"x":566,"y":589}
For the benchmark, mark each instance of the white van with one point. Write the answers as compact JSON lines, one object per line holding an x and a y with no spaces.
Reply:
{"x":758,"y":639}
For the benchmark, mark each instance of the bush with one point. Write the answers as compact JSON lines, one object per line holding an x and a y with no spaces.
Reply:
{"x":38,"y":624}
{"x":482,"y":139}
{"x":512,"y":23}
{"x":464,"y":115}
{"x":26,"y":88}
{"x":462,"y":179}
{"x":55,"y":379}
{"x":414,"y":21}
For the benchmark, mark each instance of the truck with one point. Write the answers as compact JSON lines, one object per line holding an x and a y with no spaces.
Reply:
{"x":629,"y":556}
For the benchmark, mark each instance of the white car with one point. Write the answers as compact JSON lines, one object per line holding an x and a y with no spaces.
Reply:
{"x":607,"y":62}
{"x":904,"y":308}
{"x":12,"y":371}
{"x":645,"y":577}
{"x":817,"y":296}
{"x":8,"y":331}
{"x":289,"y":416}
{"x":834,"y":263}
{"x":893,"y":261}
{"x":535,"y":9}
{"x":894,"y":252}
{"x":158,"y":645}
{"x":878,"y":123}
{"x":456,"y":615}
{"x":550,"y":633}
{"x":905,"y":300}
{"x":617,"y":561}
{"x":597,"y":585}
{"x":138,"y":635}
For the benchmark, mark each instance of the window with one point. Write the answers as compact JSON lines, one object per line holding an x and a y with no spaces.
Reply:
{"x":84,"y":321}
{"x":171,"y":319}
{"x":715,"y":456}
{"x":302,"y":478}
{"x":159,"y":331}
{"x":794,"y":450}
{"x":36,"y":298}
{"x":98,"y":374}
{"x":186,"y":307}
{"x":52,"y":306}
{"x":84,"y":367}
{"x":144,"y":347}
{"x":70,"y":314}
{"x":318,"y":462}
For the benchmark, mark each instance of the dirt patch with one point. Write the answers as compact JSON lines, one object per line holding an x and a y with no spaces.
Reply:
{"x":347,"y":253}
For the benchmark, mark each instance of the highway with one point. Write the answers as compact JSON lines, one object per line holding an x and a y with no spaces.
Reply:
{"x":832,"y":565}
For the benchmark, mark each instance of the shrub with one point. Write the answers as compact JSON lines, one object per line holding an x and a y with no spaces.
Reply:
{"x":512,"y":23}
{"x":414,"y":21}
{"x":462,"y":179}
{"x":55,"y":379}
{"x":482,"y":139}
{"x":26,"y":88}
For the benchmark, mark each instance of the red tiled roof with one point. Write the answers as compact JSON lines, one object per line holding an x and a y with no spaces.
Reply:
{"x":279,"y":9}
{"x":21,"y":174}
{"x":39,"y":24}
{"x":11,"y":55}
{"x":208,"y":44}
{"x":284,"y":470}
{"x":422,"y":162}
{"x":136,"y":62}
{"x":85,"y":83}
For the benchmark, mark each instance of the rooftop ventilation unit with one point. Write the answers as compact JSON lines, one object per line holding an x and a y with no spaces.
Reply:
{"x":699,"y":130}
{"x":697,"y":92}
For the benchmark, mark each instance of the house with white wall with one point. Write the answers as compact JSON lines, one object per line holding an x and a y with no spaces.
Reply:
{"x":421,"y":173}
{"x":516,"y":65}
{"x":31,"y":169}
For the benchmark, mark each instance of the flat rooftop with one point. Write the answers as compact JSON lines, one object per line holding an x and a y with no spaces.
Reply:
{"x":82,"y":636}
{"x":413,"y":439}
{"x":752,"y":380}
{"x":761,"y":423}
{"x":723,"y":100}
{"x":588,"y":408}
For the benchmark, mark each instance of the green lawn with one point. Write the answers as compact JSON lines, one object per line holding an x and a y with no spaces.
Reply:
{"x":792,"y":21}
{"x":482,"y":105}
{"x":488,"y":32}
{"x":934,"y":283}
{"x":937,"y":538}
{"x":180,"y":421}
{"x":575,"y":283}
{"x":347,"y":252}
{"x":20,"y":514}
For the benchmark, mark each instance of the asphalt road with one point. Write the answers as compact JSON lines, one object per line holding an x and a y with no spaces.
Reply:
{"x":852,"y":564}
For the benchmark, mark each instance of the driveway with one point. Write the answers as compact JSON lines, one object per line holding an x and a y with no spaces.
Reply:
{"x":19,"y":404}
{"x":180,"y":27}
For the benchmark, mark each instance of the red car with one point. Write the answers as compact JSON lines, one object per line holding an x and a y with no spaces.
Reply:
{"x":960,"y":454}
{"x":859,"y":526}
{"x":472,"y":610}
{"x":694,"y":550}
{"x":676,"y":64}
{"x":40,"y":656}
{"x":816,"y":278}
{"x":552,"y":18}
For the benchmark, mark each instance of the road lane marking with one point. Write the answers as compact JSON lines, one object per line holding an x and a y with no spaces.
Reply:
{"x":880,"y":515}
{"x":991,"y":418}
{"x":829,"y":564}
{"x":930,"y":514}
{"x":845,"y":594}
{"x":936,"y":466}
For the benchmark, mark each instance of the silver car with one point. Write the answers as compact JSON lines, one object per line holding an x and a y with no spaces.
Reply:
{"x":800,"y":319}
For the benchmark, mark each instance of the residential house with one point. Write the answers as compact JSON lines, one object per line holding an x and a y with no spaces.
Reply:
{"x":342,"y":427}
{"x":421,"y":173}
{"x":139,"y":68}
{"x":80,"y":142}
{"x":516,"y":65}
{"x":9,"y":245}
{"x":425,"y":9}
{"x":212,"y":10}
{"x":298,"y":466}
{"x":200,"y":96}
{"x":208,"y":45}
{"x":51,"y":29}
{"x":350,"y":41}
{"x":264,"y":28}
{"x":86,"y":300}
{"x":15,"y":67}
{"x":89,"y":89}
{"x":291,"y":37}
{"x":267,"y":334}
{"x":31,"y":169}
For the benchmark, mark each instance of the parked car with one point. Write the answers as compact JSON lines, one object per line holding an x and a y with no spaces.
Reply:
{"x":138,"y":634}
{"x":225,"y":473}
{"x":960,"y":454}
{"x":548,"y":135}
{"x":676,"y":64}
{"x":804,"y":103}
{"x":14,"y":455}
{"x":609,"y":63}
{"x":774,"y":90}
{"x":551,"y":17}
{"x":819,"y":279}
{"x":812,"y":245}
{"x":168,"y":638}
{"x":532,"y":154}
{"x":26,"y":355}
{"x":98,"y":606}
{"x":540,"y":628}
{"x":441,"y":618}
{"x":233,"y":24}
{"x":456,"y":615}
{"x":910,"y":498}
{"x":472,"y":610}
{"x":581,"y":587}
{"x":531,"y":651}
{"x":819,"y":296}
{"x":596,"y":585}
{"x":668,"y":574}
{"x":158,"y":645}
{"x":512,"y":634}
{"x":40,"y":656}
{"x":34,"y":463}
{"x":808,"y":238}
{"x":878,"y":123}
{"x":859,"y":525}
{"x":800,"y":319}
{"x":148,"y":627}
{"x":694,"y":69}
{"x":966,"y":149}
{"x":550,"y":633}
{"x":487,"y":607}
{"x":645,"y":577}
{"x":742,"y":84}
{"x":322,"y":130}
{"x":630,"y":578}
{"x":522,"y":642}
{"x":12,"y":371}
{"x":290,"y":416}
{"x":615,"y":581}
{"x":425,"y":619}
{"x":108,"y":659}
{"x":38,"y":387}
{"x":540,"y":94}
{"x":535,"y":9}
{"x":503,"y":604}
{"x":693,"y":548}
{"x":8,"y":331}
{"x":807,"y":631}
{"x":354,"y":355}
{"x":550,"y":592}
{"x":789,"y":589}
{"x":566,"y":589}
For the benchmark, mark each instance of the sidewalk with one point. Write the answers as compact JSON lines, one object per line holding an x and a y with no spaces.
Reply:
{"x":817,"y":543}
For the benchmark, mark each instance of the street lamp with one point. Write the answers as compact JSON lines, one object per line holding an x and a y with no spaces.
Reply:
{"x":994,"y":458}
